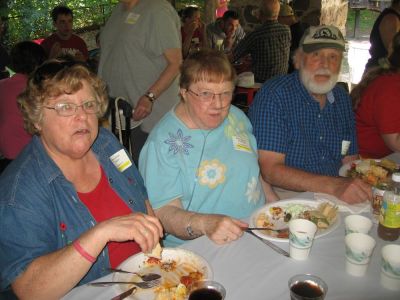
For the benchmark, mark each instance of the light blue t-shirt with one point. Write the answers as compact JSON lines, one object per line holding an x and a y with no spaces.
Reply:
{"x":211,"y":171}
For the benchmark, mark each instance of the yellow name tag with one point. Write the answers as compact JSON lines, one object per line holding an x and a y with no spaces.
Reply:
{"x":121,"y":160}
{"x":241,"y":143}
{"x":132,"y":18}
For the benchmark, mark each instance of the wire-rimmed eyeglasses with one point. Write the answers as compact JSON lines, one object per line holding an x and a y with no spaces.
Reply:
{"x":207,"y":96}
{"x":70,"y":109}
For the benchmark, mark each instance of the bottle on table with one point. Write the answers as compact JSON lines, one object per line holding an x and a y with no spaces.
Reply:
{"x":389,"y":218}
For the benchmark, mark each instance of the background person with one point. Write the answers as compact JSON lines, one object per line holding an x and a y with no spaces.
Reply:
{"x":192,"y":30}
{"x":25,"y":57}
{"x":375,"y":100}
{"x":64,"y":42}
{"x":140,"y":58}
{"x":222,"y":7}
{"x":225,"y":33}
{"x":268,"y":44}
{"x":297,"y":29}
{"x":303,"y":123}
{"x":68,"y":206}
{"x":199,"y":163}
{"x":385,"y":27}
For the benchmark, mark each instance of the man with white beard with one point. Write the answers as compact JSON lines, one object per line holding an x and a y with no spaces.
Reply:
{"x":304,"y":124}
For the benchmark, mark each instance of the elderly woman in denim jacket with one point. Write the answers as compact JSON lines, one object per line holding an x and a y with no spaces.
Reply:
{"x":73,"y":195}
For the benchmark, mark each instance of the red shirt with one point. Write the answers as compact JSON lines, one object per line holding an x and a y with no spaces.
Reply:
{"x":378,"y":113}
{"x":68,"y":47}
{"x":103,"y":203}
{"x":13,"y":136}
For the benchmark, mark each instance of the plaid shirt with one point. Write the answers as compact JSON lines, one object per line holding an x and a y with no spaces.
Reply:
{"x":287,"y":119}
{"x":269,"y":47}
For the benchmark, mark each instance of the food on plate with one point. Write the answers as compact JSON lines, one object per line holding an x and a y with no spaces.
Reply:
{"x":374,"y":172}
{"x":178,"y":276}
{"x":323,"y":216}
{"x":155,"y":252}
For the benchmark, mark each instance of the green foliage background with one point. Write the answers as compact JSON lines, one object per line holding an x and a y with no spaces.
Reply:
{"x":30,"y":19}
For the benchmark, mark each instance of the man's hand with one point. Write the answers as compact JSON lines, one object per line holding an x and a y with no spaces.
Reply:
{"x":143,"y":108}
{"x":352,"y":190}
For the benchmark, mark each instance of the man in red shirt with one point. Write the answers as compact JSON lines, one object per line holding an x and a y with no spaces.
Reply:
{"x":63,"y":42}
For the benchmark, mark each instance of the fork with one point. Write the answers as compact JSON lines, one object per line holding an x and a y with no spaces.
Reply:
{"x":142,"y":284}
{"x":144,"y":277}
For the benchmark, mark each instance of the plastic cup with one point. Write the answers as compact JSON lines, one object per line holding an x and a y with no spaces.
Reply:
{"x":307,"y":287}
{"x":390,"y":267}
{"x":357,"y":223}
{"x":301,"y":236}
{"x":207,"y":289}
{"x":359,"y":248}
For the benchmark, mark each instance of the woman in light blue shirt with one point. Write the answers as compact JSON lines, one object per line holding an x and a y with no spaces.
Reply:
{"x":200,"y":163}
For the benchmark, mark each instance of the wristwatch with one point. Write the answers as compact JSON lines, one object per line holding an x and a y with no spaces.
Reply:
{"x":151,"y":96}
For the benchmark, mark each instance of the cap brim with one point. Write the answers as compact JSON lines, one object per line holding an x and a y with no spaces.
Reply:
{"x":317,"y":46}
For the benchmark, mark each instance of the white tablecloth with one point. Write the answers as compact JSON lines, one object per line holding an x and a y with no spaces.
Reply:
{"x":250,"y":270}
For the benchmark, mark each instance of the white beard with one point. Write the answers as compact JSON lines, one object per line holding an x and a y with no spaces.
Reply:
{"x":307,"y":78}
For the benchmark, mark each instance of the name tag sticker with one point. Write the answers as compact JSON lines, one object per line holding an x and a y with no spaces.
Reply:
{"x":241,"y":143}
{"x":132,"y":18}
{"x":345,"y":147}
{"x":121,"y":160}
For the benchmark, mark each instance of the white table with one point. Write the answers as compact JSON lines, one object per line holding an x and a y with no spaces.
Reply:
{"x":250,"y":270}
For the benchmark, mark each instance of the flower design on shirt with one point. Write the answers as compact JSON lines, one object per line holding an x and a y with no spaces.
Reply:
{"x":178,"y":143}
{"x":253,"y":191}
{"x":235,"y":127}
{"x":211,"y":173}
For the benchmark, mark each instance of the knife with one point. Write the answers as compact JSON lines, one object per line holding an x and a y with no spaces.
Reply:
{"x":124,"y":294}
{"x":271,"y":245}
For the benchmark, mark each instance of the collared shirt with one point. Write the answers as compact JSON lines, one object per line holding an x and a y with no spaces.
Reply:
{"x":269,"y":47}
{"x":215,"y":33}
{"x":40,"y":211}
{"x":288,"y":120}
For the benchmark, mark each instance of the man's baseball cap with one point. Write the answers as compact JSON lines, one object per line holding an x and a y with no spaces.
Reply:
{"x":286,"y":11}
{"x":320,"y":37}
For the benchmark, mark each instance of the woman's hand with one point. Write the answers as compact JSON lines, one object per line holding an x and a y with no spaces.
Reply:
{"x":143,"y":229}
{"x":222,"y":229}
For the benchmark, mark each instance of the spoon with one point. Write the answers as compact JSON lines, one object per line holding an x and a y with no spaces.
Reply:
{"x":144,"y":277}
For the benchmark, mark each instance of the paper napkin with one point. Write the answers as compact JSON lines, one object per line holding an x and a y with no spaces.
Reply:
{"x":343,"y":206}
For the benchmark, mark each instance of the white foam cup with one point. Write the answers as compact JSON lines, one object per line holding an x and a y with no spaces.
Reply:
{"x":359,"y":248}
{"x":301,"y":236}
{"x":357,"y":223}
{"x":390,"y":267}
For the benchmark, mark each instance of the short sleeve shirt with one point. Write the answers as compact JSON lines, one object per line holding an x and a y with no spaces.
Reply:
{"x":378,"y":113}
{"x":288,"y":120}
{"x":212,"y":171}
{"x":132,"y":53}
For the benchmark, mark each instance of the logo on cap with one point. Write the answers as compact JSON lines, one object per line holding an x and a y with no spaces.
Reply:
{"x":325,"y":33}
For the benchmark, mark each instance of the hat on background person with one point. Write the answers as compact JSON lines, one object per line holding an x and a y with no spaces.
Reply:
{"x":320,"y":37}
{"x":286,"y":11}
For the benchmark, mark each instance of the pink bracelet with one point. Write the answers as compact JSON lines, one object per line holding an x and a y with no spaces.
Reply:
{"x":83,"y":252}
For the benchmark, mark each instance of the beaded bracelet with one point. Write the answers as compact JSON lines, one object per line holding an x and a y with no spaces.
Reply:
{"x":83,"y":252}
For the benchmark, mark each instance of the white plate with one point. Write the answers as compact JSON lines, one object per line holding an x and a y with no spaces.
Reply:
{"x":344,"y":168}
{"x":282,"y":225}
{"x":137,"y":263}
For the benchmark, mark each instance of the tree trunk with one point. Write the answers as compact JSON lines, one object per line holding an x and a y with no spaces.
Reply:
{"x":209,"y":11}
{"x":334,"y":12}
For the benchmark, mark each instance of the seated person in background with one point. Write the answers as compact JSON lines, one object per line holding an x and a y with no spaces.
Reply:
{"x":297,"y":28}
{"x":25,"y":57}
{"x":377,"y":106}
{"x":72,"y":204}
{"x":199,"y":163}
{"x":303,"y":123}
{"x":268,"y":44}
{"x":64,"y":41}
{"x":222,"y":7}
{"x":226,"y":32}
{"x":193,"y":30}
{"x":385,"y":27}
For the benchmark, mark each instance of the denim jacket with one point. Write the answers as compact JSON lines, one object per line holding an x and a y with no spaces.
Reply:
{"x":40,"y":211}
